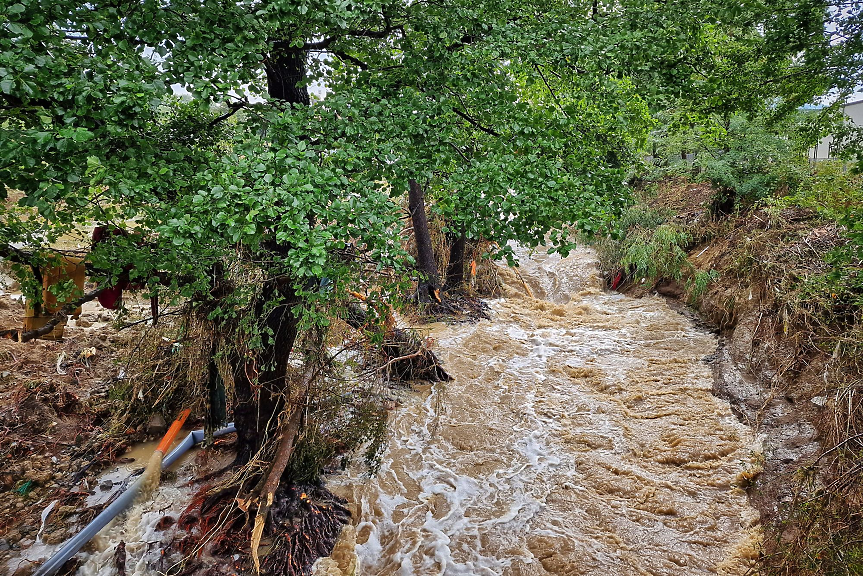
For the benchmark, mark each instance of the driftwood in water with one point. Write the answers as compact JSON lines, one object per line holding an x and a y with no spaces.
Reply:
{"x":405,"y":355}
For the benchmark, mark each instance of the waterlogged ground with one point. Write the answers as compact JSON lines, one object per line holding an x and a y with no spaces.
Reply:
{"x":580,"y":436}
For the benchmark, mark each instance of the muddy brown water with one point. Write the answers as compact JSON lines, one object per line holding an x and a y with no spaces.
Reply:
{"x":579,"y":436}
{"x":139,"y":526}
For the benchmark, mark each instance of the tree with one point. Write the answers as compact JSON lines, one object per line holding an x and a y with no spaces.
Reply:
{"x":259,"y":205}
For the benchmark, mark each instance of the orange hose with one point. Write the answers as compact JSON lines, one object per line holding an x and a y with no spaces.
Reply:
{"x":172,"y":431}
{"x":357,"y":295}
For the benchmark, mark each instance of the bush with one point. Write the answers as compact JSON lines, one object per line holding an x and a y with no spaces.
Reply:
{"x":647,"y":246}
{"x":745,"y":157}
{"x":755,"y":162}
{"x":656,"y":253}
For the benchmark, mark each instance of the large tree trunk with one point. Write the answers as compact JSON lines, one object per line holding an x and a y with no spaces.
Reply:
{"x":286,"y":70}
{"x":260,"y":385}
{"x":455,"y":268}
{"x":428,"y":288}
{"x":266,"y":375}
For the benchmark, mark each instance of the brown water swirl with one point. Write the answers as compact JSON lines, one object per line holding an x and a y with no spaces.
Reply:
{"x":580,"y":436}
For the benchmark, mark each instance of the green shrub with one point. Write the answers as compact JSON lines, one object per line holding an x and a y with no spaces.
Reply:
{"x":656,"y":253}
{"x":754,"y":161}
{"x":829,"y":187}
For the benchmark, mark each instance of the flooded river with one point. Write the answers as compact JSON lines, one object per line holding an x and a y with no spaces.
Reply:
{"x":579,"y":437}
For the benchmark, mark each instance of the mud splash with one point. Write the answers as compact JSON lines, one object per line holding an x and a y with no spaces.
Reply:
{"x":580,"y":436}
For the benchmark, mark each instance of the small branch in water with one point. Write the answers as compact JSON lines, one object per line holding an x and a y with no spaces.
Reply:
{"x":405,"y":357}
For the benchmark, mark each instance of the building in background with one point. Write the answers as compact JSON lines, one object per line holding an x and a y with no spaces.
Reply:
{"x":824,"y":149}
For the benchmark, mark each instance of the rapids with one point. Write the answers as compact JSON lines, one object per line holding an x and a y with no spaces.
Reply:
{"x":579,"y":436}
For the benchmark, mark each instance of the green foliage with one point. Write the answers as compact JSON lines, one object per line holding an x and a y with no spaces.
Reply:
{"x":753,"y":161}
{"x":698,"y":283}
{"x":830,"y":188}
{"x":645,"y":245}
{"x":649,"y":247}
{"x":656,"y":253}
{"x":746,"y":158}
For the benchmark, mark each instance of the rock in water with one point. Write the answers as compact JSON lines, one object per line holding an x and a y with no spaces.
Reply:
{"x":157,"y":424}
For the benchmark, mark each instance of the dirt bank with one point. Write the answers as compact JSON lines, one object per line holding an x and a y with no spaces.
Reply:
{"x":780,"y":361}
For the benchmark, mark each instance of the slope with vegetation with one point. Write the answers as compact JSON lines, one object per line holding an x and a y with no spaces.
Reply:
{"x":765,"y":246}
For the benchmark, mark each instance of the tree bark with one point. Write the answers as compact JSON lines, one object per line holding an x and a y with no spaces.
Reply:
{"x":428,"y":288}
{"x":455,"y":268}
{"x":260,"y":385}
{"x":286,"y":70}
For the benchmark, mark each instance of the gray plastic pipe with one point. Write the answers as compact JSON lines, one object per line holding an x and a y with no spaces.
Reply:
{"x":123,"y":501}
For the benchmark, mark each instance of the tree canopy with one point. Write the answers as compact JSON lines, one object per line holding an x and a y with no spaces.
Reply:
{"x":470,"y":98}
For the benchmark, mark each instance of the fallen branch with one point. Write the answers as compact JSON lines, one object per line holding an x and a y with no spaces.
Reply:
{"x":60,"y":316}
{"x":405,"y":357}
{"x":409,"y":358}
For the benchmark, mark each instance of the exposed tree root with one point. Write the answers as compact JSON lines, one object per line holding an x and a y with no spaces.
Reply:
{"x":304,"y":524}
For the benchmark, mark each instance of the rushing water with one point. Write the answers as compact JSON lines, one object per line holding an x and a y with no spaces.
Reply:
{"x":579,"y":436}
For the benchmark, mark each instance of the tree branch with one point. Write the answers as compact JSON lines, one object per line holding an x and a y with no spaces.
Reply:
{"x":475,"y":123}
{"x":345,"y":56}
{"x":234,"y":107}
{"x":18,"y":256}
{"x":60,"y":316}
{"x":550,"y":91}
{"x":325,"y":43}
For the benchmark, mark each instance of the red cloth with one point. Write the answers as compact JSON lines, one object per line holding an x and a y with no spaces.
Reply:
{"x":111,"y":297}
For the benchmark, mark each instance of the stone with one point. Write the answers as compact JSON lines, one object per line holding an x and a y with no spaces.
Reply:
{"x":164,"y":523}
{"x":4,"y":545}
{"x":44,"y":478}
{"x":106,"y":485}
{"x":157,"y":424}
{"x":82,"y":323}
{"x":55,"y":537}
